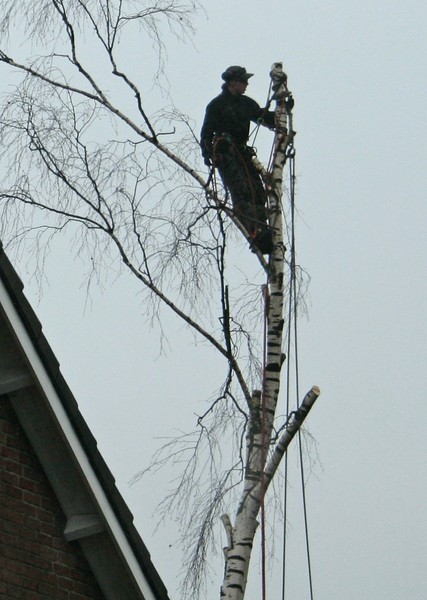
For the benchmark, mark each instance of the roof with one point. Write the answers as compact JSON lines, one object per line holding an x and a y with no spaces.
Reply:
{"x":97,"y":516}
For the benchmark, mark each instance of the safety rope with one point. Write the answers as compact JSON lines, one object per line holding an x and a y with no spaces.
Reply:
{"x":266,"y":299}
{"x":290,"y":321}
{"x":266,"y":310}
{"x":293,"y":325}
{"x":288,"y":396}
{"x":254,"y":133}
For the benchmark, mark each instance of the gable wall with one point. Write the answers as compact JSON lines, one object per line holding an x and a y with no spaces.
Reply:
{"x":36,"y":563}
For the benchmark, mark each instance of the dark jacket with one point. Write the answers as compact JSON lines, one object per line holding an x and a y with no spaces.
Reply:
{"x":231,"y":114}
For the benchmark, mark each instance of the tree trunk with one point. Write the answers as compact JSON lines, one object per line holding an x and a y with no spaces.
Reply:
{"x":262,"y":408}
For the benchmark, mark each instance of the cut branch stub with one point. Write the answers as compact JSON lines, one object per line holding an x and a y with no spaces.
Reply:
{"x":279,"y":81}
{"x":296,"y":419}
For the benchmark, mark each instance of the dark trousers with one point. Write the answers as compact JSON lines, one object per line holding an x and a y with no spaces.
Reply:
{"x":244,"y":184}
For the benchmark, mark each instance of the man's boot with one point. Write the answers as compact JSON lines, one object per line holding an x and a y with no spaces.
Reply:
{"x":263,"y":240}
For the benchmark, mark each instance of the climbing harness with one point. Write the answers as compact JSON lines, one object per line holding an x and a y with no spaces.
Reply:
{"x":241,"y":179}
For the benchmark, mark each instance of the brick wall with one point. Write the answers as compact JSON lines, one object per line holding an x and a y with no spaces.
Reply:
{"x":36,"y":563}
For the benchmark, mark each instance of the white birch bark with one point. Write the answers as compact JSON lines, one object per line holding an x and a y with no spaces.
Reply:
{"x":262,"y":408}
{"x":275,"y":318}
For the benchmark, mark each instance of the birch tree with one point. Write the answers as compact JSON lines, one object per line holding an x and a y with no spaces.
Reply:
{"x":87,"y":154}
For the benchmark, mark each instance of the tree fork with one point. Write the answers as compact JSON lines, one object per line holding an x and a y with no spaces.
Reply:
{"x":240,"y":537}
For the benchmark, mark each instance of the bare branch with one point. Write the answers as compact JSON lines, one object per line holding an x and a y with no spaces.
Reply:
{"x":77,"y":163}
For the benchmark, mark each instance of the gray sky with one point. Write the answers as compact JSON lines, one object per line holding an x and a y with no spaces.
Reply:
{"x":357,"y":71}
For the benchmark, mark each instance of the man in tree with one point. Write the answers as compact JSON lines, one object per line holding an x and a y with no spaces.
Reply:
{"x":223,"y":140}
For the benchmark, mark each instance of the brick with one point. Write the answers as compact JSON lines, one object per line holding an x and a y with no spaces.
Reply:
{"x":49,"y":553}
{"x":31,"y":498}
{"x":9,"y":477}
{"x":36,"y":562}
{"x":12,"y":491}
{"x":47,"y":503}
{"x":52,"y":592}
{"x":14,"y":592}
{"x":15,"y":551}
{"x":29,"y":472}
{"x":33,"y":596}
{"x":45,"y":515}
{"x":48,"y":529}
{"x":63,"y":570}
{"x":11,"y":454}
{"x":11,"y":502}
{"x":12,"y":515}
{"x":22,"y":571}
{"x":28,"y":484}
{"x":29,"y":595}
{"x":15,"y":441}
{"x":18,"y":580}
{"x":65,"y":583}
{"x":31,"y":521}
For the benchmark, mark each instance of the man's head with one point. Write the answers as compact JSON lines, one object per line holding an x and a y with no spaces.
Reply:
{"x":236,"y":79}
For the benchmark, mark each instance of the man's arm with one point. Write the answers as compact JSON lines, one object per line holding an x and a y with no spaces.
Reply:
{"x":207,"y":134}
{"x":267,"y":117}
{"x":262,"y":116}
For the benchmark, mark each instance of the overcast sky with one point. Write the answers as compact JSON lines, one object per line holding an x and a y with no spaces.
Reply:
{"x":358,"y":74}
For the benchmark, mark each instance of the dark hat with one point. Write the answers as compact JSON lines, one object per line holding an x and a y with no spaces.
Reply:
{"x":236,"y":73}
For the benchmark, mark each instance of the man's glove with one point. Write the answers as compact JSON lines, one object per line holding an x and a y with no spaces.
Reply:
{"x":207,"y":161}
{"x":289,"y":102}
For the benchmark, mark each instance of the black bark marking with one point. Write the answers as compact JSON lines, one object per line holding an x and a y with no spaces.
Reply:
{"x":235,"y":586}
